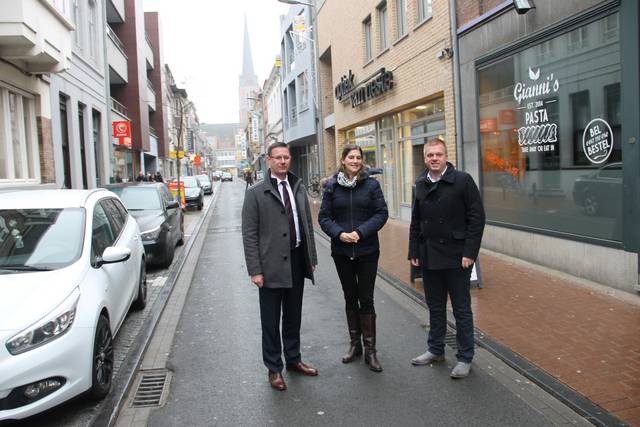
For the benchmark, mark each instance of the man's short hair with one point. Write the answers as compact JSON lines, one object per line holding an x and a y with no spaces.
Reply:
{"x":276,"y":145}
{"x":434,"y":141}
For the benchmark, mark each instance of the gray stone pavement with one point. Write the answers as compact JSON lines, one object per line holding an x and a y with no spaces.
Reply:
{"x":218,"y":377}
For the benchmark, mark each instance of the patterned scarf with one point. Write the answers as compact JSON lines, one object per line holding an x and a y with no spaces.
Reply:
{"x":346,"y":182}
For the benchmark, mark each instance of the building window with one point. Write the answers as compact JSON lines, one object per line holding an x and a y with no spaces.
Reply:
{"x":382,"y":26}
{"x":536,"y":119}
{"x":76,"y":21}
{"x":365,"y":137}
{"x":401,"y":17}
{"x":303,"y":90}
{"x":92,"y":30}
{"x":368,"y":51}
{"x":424,"y":11}
{"x":18,"y":140}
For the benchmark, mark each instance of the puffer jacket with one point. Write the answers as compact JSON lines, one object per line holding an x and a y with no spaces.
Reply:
{"x":361,"y":209}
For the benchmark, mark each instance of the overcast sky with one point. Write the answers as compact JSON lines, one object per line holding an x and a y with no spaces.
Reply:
{"x":202,"y":44}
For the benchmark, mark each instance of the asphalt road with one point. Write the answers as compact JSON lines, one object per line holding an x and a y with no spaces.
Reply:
{"x":219,"y":378}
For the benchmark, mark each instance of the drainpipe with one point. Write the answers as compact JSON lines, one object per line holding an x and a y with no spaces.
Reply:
{"x":457,"y":98}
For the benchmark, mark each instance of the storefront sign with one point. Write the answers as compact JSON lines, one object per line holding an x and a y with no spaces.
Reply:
{"x":597,"y":141}
{"x":121,"y":129}
{"x":538,"y":134}
{"x":373,"y":87}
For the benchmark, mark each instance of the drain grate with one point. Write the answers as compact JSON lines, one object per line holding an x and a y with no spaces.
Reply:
{"x":450,"y":339}
{"x":224,"y":229}
{"x":152,"y":388}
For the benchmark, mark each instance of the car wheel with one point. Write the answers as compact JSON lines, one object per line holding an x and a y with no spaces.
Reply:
{"x":591,"y":206}
{"x":181,"y":239}
{"x":168,"y":255}
{"x":102,"y":360}
{"x":141,"y":300}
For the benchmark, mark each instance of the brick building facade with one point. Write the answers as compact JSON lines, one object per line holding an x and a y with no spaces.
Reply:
{"x":411,"y":41}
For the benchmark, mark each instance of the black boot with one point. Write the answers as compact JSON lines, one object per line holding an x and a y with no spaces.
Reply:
{"x":368,"y":323}
{"x":355,"y":350}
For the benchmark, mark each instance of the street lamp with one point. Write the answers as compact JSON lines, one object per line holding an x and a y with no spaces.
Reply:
{"x":316,"y":78}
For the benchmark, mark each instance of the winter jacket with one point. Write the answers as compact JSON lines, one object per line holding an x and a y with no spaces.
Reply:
{"x":361,"y":209}
{"x":447,"y":220}
{"x":265,"y":232}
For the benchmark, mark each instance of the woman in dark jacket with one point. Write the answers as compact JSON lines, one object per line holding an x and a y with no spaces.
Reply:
{"x":353,"y":210}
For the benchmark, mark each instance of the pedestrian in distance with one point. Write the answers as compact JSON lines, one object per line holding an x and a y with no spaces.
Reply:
{"x":248,"y":177}
{"x":158,"y":177}
{"x":141,"y":177}
{"x":352,"y":212}
{"x":280,"y":252}
{"x":447,"y":222}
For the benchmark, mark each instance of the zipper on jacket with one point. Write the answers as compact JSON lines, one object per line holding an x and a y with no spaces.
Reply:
{"x":353,"y":245}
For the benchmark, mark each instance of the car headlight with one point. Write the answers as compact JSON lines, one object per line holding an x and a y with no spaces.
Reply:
{"x":152,"y":234}
{"x":52,"y":326}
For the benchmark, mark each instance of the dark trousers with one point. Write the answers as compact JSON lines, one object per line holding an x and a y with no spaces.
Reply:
{"x":288,"y":303}
{"x":454,"y":282}
{"x":358,"y":279}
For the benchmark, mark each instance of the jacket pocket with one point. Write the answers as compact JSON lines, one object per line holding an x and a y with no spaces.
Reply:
{"x":459,"y":235}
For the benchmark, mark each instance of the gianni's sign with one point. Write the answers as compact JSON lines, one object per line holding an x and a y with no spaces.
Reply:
{"x":538,"y":134}
{"x":374,"y":86}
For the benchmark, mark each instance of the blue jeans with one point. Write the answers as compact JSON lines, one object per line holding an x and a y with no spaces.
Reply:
{"x":455,"y":283}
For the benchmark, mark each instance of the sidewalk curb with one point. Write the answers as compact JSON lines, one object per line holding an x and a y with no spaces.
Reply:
{"x":574,"y":400}
{"x":107,"y":413}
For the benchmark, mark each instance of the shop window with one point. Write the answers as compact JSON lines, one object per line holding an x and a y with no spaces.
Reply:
{"x":550,"y":135}
{"x":365,"y":137}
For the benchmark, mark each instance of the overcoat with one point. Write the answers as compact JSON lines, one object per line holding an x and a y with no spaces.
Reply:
{"x":447,"y":220}
{"x":265,"y":232}
{"x":361,"y":209}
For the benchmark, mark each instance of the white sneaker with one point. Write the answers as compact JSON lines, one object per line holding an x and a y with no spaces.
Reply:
{"x":461,"y":370}
{"x":426,"y":358}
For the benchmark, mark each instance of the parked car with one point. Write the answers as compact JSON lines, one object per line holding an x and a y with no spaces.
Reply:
{"x":600,"y":192}
{"x":159,"y":217}
{"x":71,"y":266}
{"x":193,"y":192}
{"x":216,"y":175}
{"x":206,"y":184}
{"x":226,"y":176}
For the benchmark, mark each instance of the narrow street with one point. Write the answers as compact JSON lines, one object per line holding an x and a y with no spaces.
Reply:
{"x":218,"y":377}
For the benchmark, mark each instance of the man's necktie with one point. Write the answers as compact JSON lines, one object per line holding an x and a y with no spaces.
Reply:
{"x":289,"y":210}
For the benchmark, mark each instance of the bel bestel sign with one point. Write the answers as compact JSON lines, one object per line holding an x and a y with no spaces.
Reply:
{"x":372,"y":87}
{"x":539,"y":133}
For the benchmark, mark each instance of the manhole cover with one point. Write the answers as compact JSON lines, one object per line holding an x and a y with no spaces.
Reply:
{"x":153,"y":387}
{"x":224,"y":229}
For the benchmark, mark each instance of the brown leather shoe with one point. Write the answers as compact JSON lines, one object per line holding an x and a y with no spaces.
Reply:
{"x":303,"y":368}
{"x":276,"y":381}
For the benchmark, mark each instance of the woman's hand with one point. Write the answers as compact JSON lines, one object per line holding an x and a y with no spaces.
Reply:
{"x":352,"y":237}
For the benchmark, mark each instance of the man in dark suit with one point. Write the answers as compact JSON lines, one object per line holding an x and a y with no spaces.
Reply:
{"x":280,"y":253}
{"x":447,"y":221}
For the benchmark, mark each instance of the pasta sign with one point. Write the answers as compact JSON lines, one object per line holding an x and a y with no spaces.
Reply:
{"x":538,"y":134}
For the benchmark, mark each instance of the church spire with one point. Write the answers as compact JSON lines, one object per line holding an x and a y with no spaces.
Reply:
{"x":247,"y":59}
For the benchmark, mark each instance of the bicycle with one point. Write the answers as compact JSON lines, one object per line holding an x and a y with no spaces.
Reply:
{"x":314,"y":189}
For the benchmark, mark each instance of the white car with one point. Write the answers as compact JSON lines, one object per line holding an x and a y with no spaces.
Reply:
{"x":71,"y":265}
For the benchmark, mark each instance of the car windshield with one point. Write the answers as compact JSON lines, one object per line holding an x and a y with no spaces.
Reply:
{"x":40,"y":239}
{"x":204,"y":179}
{"x":190,"y":181}
{"x":139,"y":198}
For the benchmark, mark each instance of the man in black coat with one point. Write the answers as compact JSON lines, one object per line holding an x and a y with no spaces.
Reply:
{"x":280,"y":252}
{"x":447,"y":221}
